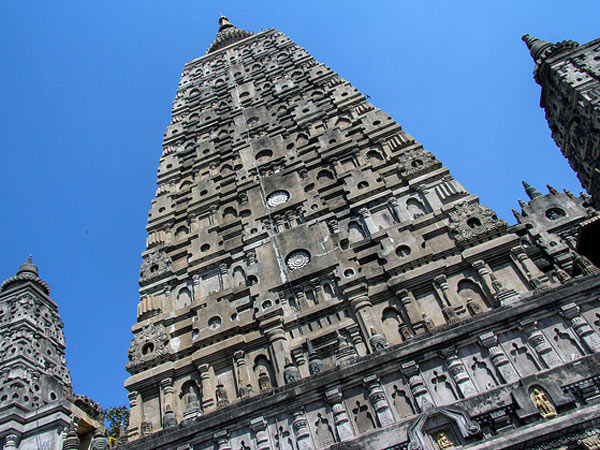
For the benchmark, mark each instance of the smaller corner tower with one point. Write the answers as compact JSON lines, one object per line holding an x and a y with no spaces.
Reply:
{"x":37,"y":404}
{"x":569,"y":75}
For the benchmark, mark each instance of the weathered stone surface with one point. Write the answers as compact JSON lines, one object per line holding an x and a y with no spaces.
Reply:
{"x":324,"y":282}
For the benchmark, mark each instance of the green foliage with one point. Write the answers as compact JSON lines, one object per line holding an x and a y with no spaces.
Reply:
{"x":114,"y":417}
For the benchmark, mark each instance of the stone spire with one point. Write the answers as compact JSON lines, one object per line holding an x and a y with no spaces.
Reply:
{"x":538,"y":48}
{"x":227,"y":35}
{"x":36,"y":373}
{"x":28,"y":271}
{"x":531,"y":191}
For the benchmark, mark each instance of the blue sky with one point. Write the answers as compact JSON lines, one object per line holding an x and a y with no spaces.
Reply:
{"x":87,"y":89}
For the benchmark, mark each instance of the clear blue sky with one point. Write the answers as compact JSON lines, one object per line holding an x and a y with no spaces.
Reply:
{"x":87,"y":88}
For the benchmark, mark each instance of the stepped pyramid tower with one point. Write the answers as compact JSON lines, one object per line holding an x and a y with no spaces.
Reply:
{"x":314,"y":278}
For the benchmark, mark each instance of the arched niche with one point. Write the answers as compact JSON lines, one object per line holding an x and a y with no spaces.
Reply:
{"x":468,"y":289}
{"x":415,"y":208}
{"x":229,"y":213}
{"x":263,"y":373}
{"x":181,"y":232}
{"x":390,"y":319}
{"x":355,"y":232}
{"x":184,"y":298}
{"x":239,"y":276}
{"x":324,"y":176}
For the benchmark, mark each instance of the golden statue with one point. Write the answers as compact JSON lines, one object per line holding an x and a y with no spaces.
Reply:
{"x":543,"y":403}
{"x":443,"y":440}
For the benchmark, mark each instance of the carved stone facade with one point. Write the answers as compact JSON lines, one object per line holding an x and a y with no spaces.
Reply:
{"x":569,"y":75}
{"x":37,"y":406}
{"x":315,"y":279}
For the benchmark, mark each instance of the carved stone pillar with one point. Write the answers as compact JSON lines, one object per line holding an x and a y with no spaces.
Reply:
{"x":316,"y":285}
{"x":212,"y":214}
{"x":300,"y":427}
{"x":417,"y":385}
{"x":590,"y":338}
{"x":11,"y":442}
{"x":412,"y":312}
{"x":370,"y":224}
{"x":499,"y":358}
{"x":378,"y":400}
{"x":302,"y":302}
{"x":280,"y":350}
{"x":208,"y":400}
{"x":357,"y":340}
{"x":259,"y":426}
{"x":196,"y":287}
{"x":448,"y":299}
{"x":459,"y":375}
{"x":340,"y":415}
{"x":224,"y":274}
{"x":222,"y":440}
{"x":169,"y":418}
{"x":136,"y":414}
{"x":244,"y":387}
{"x":398,"y":213}
{"x":362,"y":308}
{"x":493,"y":287}
{"x":538,"y":341}
{"x":300,"y":358}
{"x":528,"y":268}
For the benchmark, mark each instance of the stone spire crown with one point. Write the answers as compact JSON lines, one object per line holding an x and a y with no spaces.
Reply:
{"x":531,"y":191}
{"x":227,"y":35}
{"x":537,"y":47}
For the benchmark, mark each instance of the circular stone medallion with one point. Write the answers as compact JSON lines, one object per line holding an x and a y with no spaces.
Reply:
{"x":298,"y":259}
{"x":277,"y":198}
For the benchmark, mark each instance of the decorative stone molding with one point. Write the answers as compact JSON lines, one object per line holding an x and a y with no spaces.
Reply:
{"x":471,"y":220}
{"x":155,"y":265}
{"x":147,"y":345}
{"x":415,"y":162}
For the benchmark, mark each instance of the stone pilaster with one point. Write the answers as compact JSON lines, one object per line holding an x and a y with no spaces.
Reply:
{"x":370,"y":224}
{"x":11,"y":442}
{"x":448,"y":299}
{"x":136,"y":414}
{"x":259,"y":427}
{"x":244,"y":387}
{"x":399,"y":214}
{"x":378,"y":400}
{"x":300,"y":427}
{"x":538,"y":341}
{"x":224,"y":274}
{"x":362,"y":308}
{"x":208,"y":400}
{"x":340,"y":415}
{"x":166,"y":386}
{"x":590,"y":338}
{"x":222,"y":440}
{"x":499,"y":358}
{"x":413,"y":314}
{"x":357,"y":340}
{"x":417,"y":385}
{"x":280,"y":350}
{"x":459,"y":375}
{"x":528,"y":268}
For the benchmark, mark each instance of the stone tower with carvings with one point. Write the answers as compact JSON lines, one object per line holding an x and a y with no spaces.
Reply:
{"x":38,"y":409}
{"x":569,"y":75}
{"x":315,"y":278}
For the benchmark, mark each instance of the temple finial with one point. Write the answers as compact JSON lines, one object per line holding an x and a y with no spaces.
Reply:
{"x":531,"y":191}
{"x":537,"y":47}
{"x":551,"y":190}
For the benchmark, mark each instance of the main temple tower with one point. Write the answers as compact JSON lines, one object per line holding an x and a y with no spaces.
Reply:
{"x":313,"y":275}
